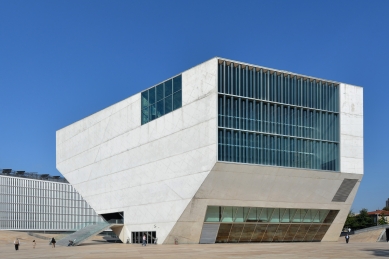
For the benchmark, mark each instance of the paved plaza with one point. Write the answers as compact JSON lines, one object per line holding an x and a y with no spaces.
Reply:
{"x":97,"y":249}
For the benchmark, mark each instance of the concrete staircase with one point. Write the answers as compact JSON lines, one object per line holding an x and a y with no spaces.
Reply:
{"x":83,"y":234}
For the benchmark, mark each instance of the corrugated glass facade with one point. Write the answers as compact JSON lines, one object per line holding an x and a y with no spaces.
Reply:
{"x":275,"y":118}
{"x":250,"y":224}
{"x":161,"y":99}
{"x":27,"y":204}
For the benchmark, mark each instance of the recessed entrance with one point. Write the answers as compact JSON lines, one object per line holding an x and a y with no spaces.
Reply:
{"x":137,"y":237}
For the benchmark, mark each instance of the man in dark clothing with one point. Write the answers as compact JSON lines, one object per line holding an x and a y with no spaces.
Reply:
{"x":347,"y":238}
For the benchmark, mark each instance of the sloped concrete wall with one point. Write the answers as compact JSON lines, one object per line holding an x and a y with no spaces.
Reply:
{"x":151,"y":172}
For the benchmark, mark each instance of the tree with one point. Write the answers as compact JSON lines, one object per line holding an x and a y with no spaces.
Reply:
{"x":385,"y":208}
{"x":363,"y":219}
{"x":382,"y":220}
{"x":350,"y":221}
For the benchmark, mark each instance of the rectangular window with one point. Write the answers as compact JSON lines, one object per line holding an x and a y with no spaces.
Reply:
{"x":161,"y":99}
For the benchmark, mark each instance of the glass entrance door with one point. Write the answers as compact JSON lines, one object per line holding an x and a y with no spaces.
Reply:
{"x":137,"y":237}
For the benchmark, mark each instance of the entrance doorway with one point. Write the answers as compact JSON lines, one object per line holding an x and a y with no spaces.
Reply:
{"x":137,"y":237}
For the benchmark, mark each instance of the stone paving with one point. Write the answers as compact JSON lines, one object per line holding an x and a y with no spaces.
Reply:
{"x":96,"y":249}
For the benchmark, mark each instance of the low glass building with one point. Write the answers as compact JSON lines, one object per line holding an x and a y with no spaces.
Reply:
{"x":223,"y":152}
{"x":40,"y":202}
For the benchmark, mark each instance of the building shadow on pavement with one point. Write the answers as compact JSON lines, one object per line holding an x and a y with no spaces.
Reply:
{"x":379,"y":252}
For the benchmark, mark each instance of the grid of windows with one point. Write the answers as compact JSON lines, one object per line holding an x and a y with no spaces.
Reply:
{"x":161,"y":99}
{"x":273,"y":118}
{"x":27,"y":204}
{"x":250,"y":224}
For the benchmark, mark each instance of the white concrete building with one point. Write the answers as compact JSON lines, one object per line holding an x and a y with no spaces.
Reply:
{"x":224,"y":152}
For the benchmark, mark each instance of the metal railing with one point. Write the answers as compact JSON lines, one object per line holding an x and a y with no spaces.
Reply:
{"x":32,"y":175}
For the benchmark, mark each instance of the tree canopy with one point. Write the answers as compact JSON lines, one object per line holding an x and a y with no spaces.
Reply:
{"x":362,"y":220}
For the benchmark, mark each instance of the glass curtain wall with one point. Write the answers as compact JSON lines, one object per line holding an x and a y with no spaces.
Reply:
{"x":161,"y":99}
{"x":272,"y":118}
{"x":27,"y":204}
{"x":250,"y":224}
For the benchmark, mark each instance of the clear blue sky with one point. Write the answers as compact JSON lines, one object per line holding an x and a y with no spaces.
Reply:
{"x":61,"y":61}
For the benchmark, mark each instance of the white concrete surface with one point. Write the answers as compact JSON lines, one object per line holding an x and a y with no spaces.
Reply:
{"x":351,"y":129}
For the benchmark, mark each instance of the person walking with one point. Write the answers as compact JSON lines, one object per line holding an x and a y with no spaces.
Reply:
{"x":144,"y":240}
{"x":347,"y":238}
{"x":17,"y":243}
{"x":33,"y":243}
{"x":53,"y":242}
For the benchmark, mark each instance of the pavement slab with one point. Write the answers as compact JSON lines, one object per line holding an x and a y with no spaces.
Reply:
{"x":98,"y":249}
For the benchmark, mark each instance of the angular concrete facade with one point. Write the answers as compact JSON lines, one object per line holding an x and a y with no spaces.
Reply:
{"x":163,"y":174}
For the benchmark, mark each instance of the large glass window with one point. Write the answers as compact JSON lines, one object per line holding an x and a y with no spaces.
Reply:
{"x":161,"y":99}
{"x":277,"y":119}
{"x":249,"y":224}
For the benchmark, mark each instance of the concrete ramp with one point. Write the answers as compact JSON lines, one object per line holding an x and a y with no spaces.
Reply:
{"x":83,"y":234}
{"x":365,"y":237}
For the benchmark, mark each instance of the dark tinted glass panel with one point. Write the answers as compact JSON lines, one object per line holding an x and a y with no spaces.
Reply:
{"x":223,"y":233}
{"x":235,"y":233}
{"x":247,"y":232}
{"x":228,"y":214}
{"x":160,"y":92}
{"x":168,"y":87}
{"x":213,"y":214}
{"x":286,"y":215}
{"x":152,"y":95}
{"x":275,"y":218}
{"x":291,"y":232}
{"x":168,"y":104}
{"x":281,"y":232}
{"x":240,"y":214}
{"x":145,"y":99}
{"x":311,"y":232}
{"x":152,"y":112}
{"x":252,"y":215}
{"x":265,"y":215}
{"x":315,"y":216}
{"x":270,"y":232}
{"x":177,"y":100}
{"x":177,"y":82}
{"x":331,"y":216}
{"x":300,"y":235}
{"x":320,"y":233}
{"x":259,"y":232}
{"x":322,"y":215}
{"x":160,"y":108}
{"x":145,"y":115}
